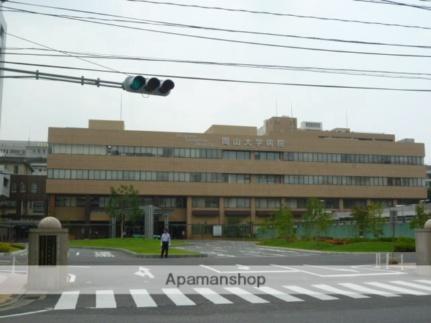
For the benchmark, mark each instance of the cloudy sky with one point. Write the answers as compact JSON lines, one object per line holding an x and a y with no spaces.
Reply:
{"x":30,"y":107}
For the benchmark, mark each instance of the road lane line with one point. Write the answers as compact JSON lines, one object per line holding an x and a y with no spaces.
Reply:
{"x":105,"y":299}
{"x":311,"y":293}
{"x":367,"y":290}
{"x":246,"y":295}
{"x":338,"y":291}
{"x":67,"y":300}
{"x":412,"y":285}
{"x":279,"y":294}
{"x":142,"y":298}
{"x":212,"y":296}
{"x":397,"y":289}
{"x":178,"y":297}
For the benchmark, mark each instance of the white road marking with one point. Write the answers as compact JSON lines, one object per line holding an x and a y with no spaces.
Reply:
{"x":413,"y":285}
{"x":424,"y":281}
{"x":338,"y":291}
{"x":212,"y":296}
{"x":279,"y":294}
{"x":318,"y":295}
{"x":26,"y":313}
{"x":178,"y":297}
{"x":105,"y":254}
{"x":246,"y":295}
{"x":397,"y":289}
{"x":142,"y":298}
{"x":71,"y":278}
{"x":242,"y":267}
{"x":67,"y":301}
{"x":144,"y":272}
{"x":105,"y":299}
{"x":368,"y":290}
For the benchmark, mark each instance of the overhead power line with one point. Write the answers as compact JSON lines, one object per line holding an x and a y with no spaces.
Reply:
{"x":125,"y":19}
{"x":313,"y":69}
{"x":397,"y":3}
{"x":254,"y":43}
{"x":98,"y":82}
{"x":272,"y":13}
{"x":59,"y":51}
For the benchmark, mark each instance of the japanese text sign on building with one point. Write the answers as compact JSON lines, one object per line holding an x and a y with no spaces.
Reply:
{"x":257,"y":142}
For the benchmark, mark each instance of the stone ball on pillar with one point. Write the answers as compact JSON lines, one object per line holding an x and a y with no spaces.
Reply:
{"x":427,"y":225}
{"x":49,"y":223}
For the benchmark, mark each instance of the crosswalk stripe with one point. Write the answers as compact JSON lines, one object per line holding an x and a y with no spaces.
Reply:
{"x":246,"y":295}
{"x":279,"y":294}
{"x":336,"y":290}
{"x":105,"y":299}
{"x":212,"y":296}
{"x":67,"y":300}
{"x":178,"y":297}
{"x":424,"y":281}
{"x":397,"y":289}
{"x":142,"y":298}
{"x":412,"y":285}
{"x":318,"y":295}
{"x":368,"y":290}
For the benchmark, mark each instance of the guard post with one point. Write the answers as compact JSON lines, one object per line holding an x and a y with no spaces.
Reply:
{"x":423,"y":249}
{"x":47,"y":255}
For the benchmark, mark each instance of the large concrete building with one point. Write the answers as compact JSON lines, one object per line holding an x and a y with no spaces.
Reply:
{"x":228,"y":174}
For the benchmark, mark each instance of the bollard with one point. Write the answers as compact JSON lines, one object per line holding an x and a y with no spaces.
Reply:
{"x":423,"y":245}
{"x":47,"y":256}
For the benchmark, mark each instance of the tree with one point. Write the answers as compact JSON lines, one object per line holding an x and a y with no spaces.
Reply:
{"x":360,"y":216}
{"x":368,"y":219}
{"x":376,"y":221}
{"x":420,"y":218}
{"x":317,"y":219}
{"x":284,"y":224}
{"x":123,"y":204}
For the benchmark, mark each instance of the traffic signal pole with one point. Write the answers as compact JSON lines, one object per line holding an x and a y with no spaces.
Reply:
{"x":134,"y":84}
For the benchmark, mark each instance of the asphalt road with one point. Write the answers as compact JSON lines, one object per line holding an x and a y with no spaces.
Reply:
{"x":300,"y":287}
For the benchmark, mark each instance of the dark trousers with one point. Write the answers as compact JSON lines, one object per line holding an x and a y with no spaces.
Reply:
{"x":165,"y":249}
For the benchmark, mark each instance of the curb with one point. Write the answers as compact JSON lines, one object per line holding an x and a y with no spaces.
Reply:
{"x":14,"y":299}
{"x":333,"y":252}
{"x":139,"y":255}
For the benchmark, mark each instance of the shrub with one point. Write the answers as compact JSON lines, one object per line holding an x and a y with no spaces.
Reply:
{"x":5,"y":247}
{"x":404,"y":246}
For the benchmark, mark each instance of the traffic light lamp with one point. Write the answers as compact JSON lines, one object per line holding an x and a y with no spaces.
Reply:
{"x":152,"y":86}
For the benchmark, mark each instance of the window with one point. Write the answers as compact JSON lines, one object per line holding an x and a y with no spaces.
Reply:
{"x":205,"y":202}
{"x":237,"y":202}
{"x":34,"y":188}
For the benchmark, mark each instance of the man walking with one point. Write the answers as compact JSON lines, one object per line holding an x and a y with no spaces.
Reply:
{"x":165,"y":241}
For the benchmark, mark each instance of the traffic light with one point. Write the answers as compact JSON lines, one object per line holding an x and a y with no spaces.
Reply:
{"x":152,"y":86}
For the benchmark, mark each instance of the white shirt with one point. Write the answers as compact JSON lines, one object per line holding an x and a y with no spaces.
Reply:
{"x":166,"y":237}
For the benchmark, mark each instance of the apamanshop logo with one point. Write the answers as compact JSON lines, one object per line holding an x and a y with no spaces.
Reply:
{"x":214,"y":280}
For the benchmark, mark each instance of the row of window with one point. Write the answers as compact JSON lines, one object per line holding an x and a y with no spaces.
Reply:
{"x":232,"y":154}
{"x":213,"y":202}
{"x":22,"y":188}
{"x":83,"y":174}
{"x":102,"y":201}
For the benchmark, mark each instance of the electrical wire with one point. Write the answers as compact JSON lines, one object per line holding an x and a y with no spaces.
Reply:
{"x":198,"y":27}
{"x":353,"y":72}
{"x":327,"y":86}
{"x":272,"y":13}
{"x":254,"y":43}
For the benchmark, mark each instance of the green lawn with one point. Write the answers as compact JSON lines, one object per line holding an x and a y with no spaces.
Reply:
{"x":138,"y":245}
{"x":353,"y":246}
{"x":10,"y":247}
